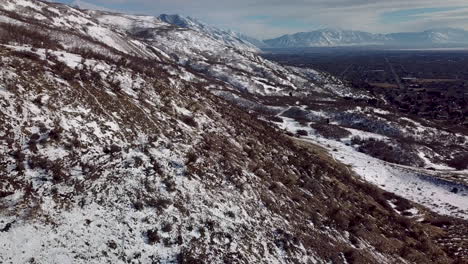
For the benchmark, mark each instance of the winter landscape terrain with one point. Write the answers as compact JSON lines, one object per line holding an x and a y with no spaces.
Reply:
{"x":139,"y":139}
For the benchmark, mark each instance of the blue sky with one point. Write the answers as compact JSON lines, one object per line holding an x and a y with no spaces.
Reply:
{"x":271,"y":18}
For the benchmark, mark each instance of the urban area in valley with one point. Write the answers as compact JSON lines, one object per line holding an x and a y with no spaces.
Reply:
{"x":430,"y":84}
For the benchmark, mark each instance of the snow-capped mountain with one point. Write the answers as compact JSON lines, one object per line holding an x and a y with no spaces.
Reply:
{"x":327,"y":38}
{"x":227,"y":36}
{"x":335,"y":38}
{"x":429,"y":37}
{"x":126,"y":139}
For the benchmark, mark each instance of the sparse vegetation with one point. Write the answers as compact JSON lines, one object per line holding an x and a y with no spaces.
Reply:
{"x":301,"y":132}
{"x":153,"y":236}
{"x":390,"y":152}
{"x":189,"y":120}
{"x":123,"y":159}
{"x":330,"y":131}
{"x":460,"y":162}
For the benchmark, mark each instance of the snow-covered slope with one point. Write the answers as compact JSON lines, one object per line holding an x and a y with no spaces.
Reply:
{"x":115,"y":148}
{"x":415,"y":184}
{"x":230,"y":38}
{"x":72,"y":23}
{"x":209,"y":54}
{"x":335,"y":37}
{"x":206,"y":54}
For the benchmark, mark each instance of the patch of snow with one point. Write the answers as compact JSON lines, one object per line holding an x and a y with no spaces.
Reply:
{"x":410,"y":183}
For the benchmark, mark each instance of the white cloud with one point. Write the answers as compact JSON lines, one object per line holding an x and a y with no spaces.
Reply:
{"x":309,"y":14}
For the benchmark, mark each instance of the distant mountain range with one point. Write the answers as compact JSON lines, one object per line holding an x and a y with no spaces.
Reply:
{"x":327,"y":37}
{"x":336,"y":37}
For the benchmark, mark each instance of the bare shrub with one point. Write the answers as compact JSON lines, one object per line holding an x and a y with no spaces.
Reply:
{"x":441,"y":221}
{"x":460,"y":162}
{"x":192,"y":157}
{"x":12,"y":33}
{"x":138,"y":205}
{"x":391,"y":152}
{"x":167,"y":227}
{"x":26,"y":55}
{"x":170,"y":185}
{"x":112,"y":149}
{"x":302,"y":132}
{"x":330,"y":131}
{"x":274,"y":118}
{"x":38,"y":162}
{"x":188,"y":257}
{"x":160,"y":203}
{"x":153,"y":236}
{"x":189,"y":120}
{"x":55,"y":133}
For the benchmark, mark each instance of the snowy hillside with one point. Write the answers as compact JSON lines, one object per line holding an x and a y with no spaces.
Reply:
{"x":125,"y":139}
{"x":230,"y":38}
{"x":208,"y":54}
{"x":423,"y":186}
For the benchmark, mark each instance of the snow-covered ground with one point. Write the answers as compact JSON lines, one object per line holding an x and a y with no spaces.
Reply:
{"x":411,"y":183}
{"x":188,"y":171}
